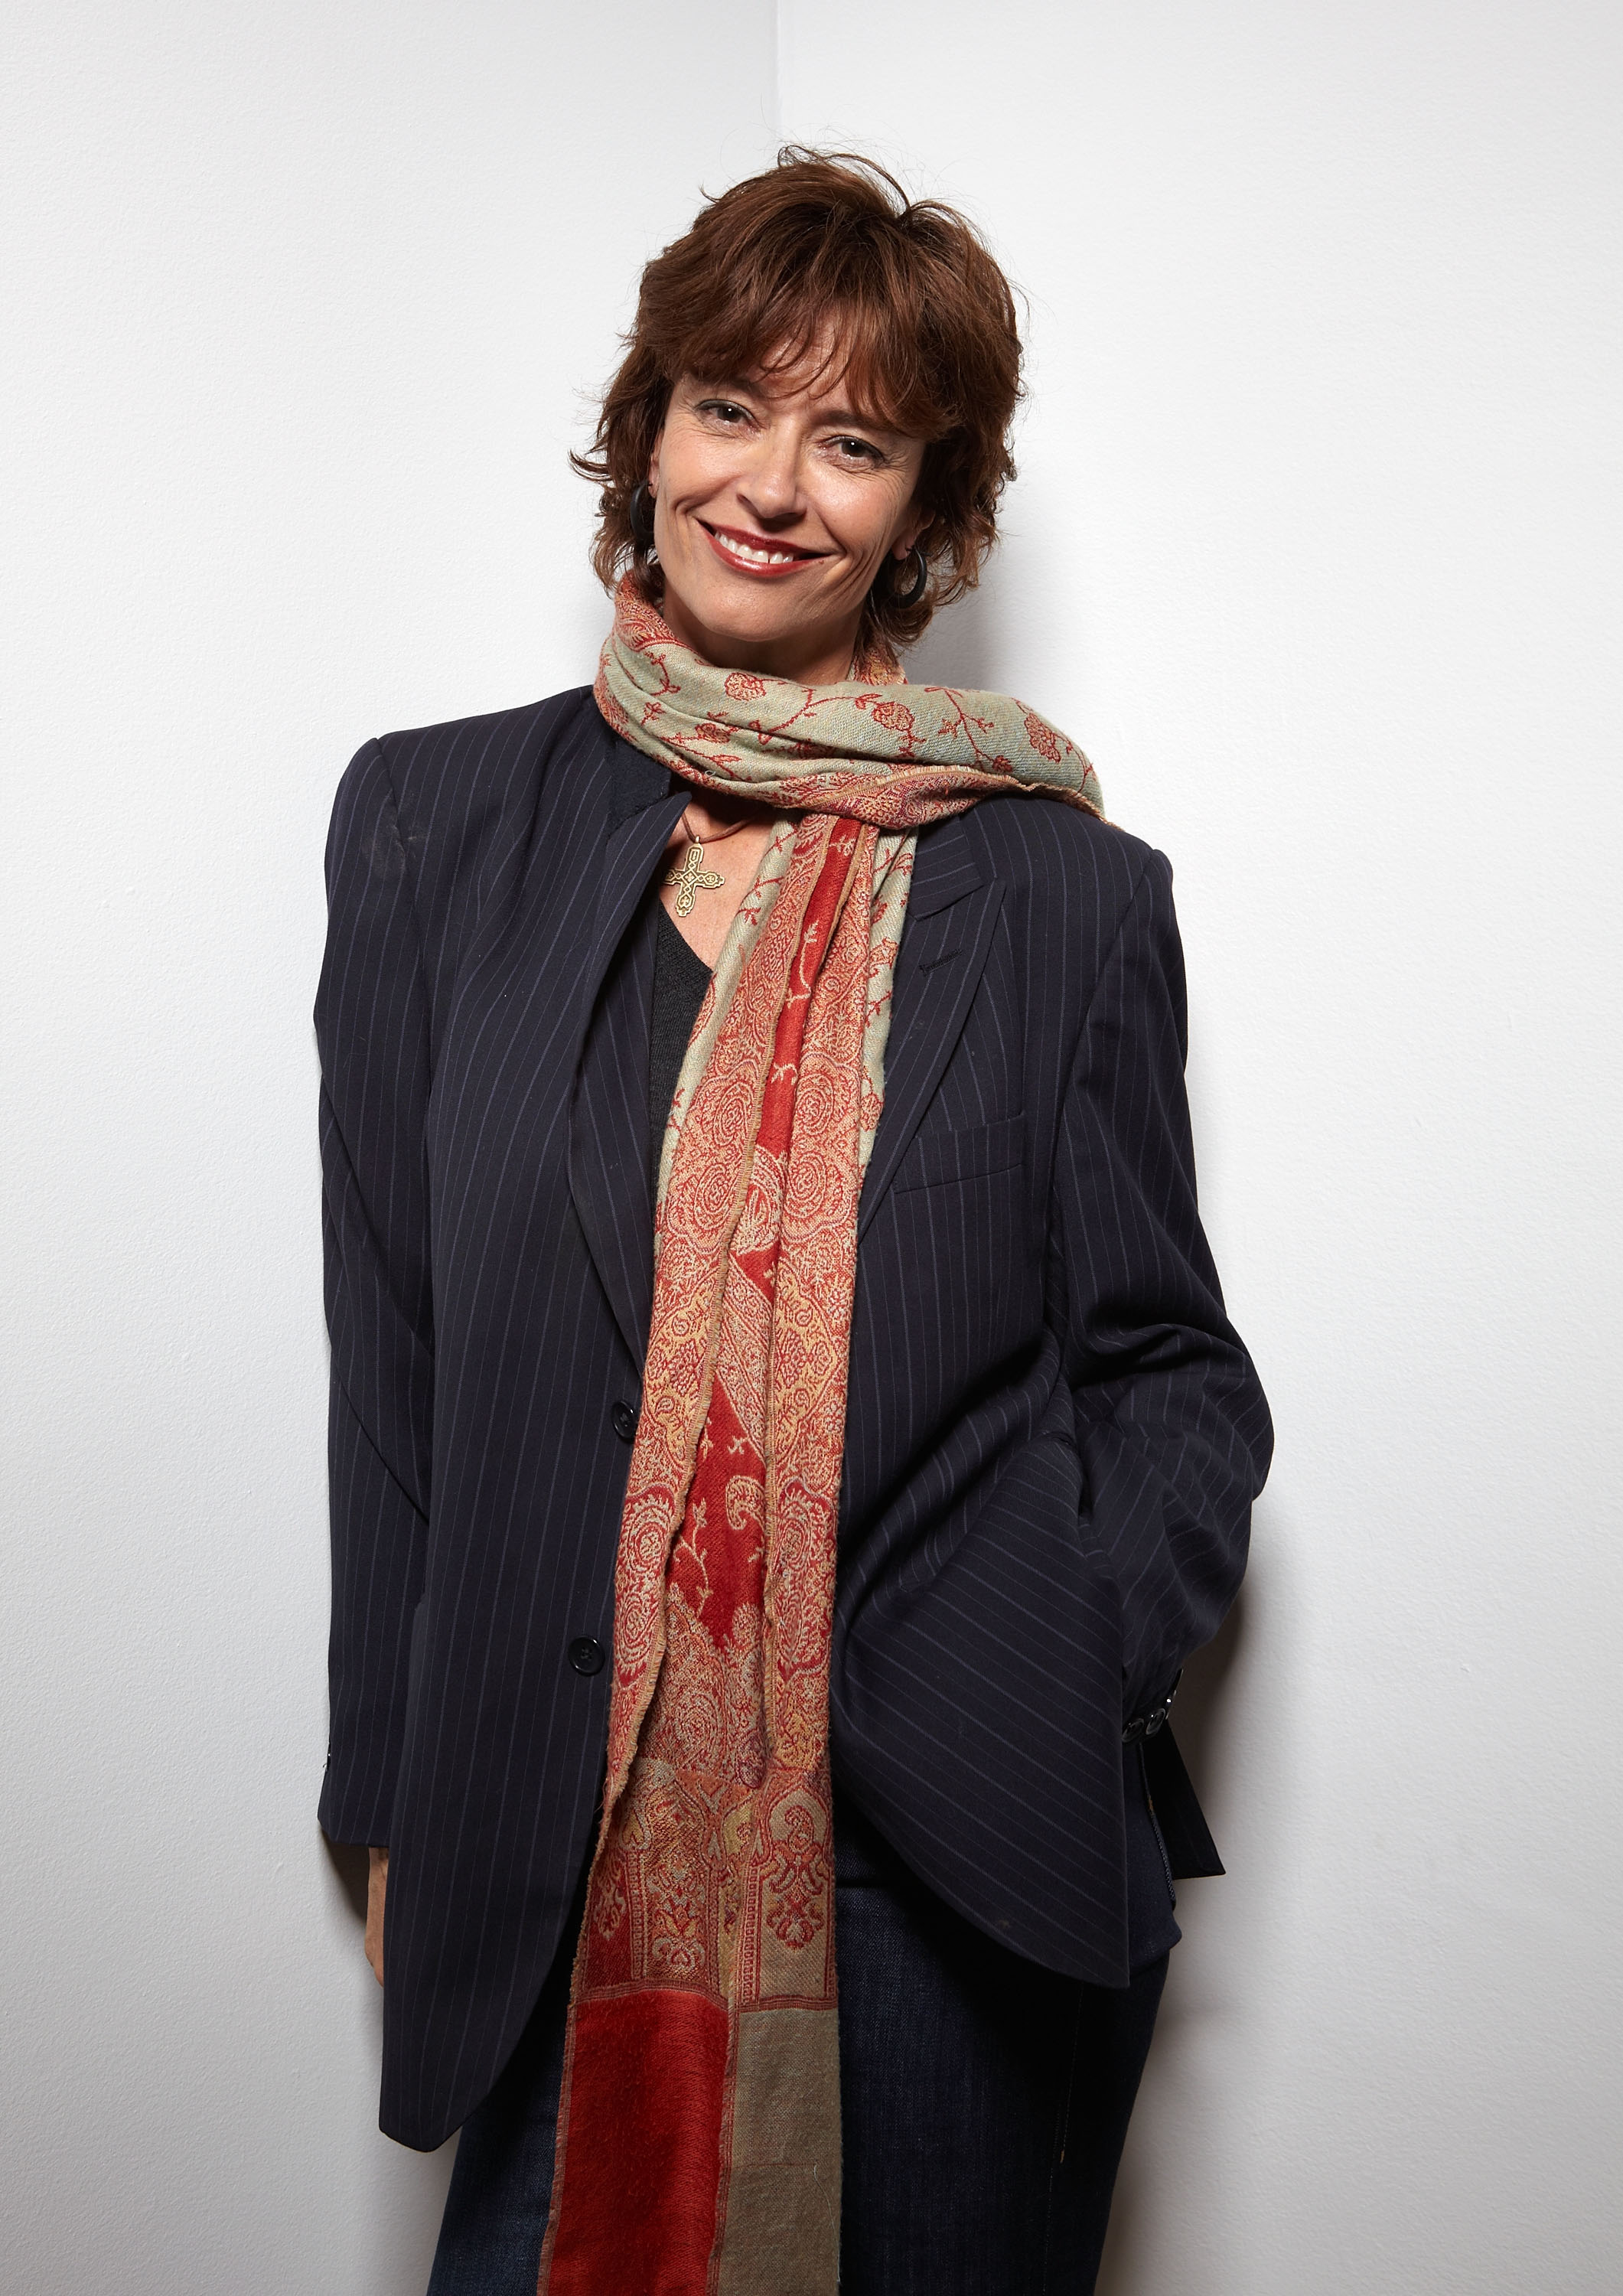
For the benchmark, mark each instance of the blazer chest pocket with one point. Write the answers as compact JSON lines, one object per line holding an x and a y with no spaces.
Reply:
{"x":937,"y":1158}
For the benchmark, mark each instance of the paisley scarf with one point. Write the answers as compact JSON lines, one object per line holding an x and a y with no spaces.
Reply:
{"x":699,"y":2131}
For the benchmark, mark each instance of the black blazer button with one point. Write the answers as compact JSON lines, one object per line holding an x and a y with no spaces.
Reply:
{"x":586,"y":1654}
{"x":624,"y":1422}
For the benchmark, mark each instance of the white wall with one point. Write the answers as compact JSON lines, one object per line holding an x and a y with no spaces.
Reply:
{"x":1316,"y":548}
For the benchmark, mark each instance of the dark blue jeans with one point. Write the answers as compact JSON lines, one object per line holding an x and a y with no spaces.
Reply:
{"x":984,"y":2103}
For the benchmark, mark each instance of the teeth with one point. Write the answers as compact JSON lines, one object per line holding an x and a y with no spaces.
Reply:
{"x":753,"y":557}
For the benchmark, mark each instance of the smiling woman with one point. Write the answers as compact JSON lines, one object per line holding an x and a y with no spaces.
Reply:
{"x":786,"y":1435}
{"x":884,"y":352}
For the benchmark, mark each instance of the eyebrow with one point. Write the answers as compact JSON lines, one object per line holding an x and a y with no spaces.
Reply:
{"x":860,"y":422}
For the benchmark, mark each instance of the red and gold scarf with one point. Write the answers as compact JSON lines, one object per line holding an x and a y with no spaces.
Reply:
{"x":698,"y":2132}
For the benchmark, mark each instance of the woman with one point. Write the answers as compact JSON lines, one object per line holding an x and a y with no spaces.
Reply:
{"x":755,"y":1132}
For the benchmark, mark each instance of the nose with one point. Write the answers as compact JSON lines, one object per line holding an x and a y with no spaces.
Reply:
{"x":769,"y":488}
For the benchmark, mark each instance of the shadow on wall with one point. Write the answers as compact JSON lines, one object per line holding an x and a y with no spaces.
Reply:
{"x":349,"y":1862}
{"x":964,"y":645}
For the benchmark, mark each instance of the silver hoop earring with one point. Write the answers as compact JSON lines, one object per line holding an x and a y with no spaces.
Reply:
{"x":921,"y":581}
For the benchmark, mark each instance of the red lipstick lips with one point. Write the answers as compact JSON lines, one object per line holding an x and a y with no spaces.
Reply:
{"x":757,"y":554}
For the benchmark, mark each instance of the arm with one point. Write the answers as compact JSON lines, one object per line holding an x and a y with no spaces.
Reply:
{"x":377,"y":1885}
{"x":371,"y":1029}
{"x":1170,"y":1420}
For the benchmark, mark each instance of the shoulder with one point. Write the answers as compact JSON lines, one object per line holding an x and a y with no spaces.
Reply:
{"x":442,"y":805}
{"x":1087,"y":913}
{"x":1053,"y":857}
{"x":436,"y":772}
{"x":442,"y":785}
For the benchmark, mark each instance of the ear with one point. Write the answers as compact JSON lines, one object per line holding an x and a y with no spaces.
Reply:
{"x":653,"y":460}
{"x":918,"y":523}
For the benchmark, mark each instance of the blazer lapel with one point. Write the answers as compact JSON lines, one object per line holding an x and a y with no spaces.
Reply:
{"x":951,"y":911}
{"x":609,"y":1114}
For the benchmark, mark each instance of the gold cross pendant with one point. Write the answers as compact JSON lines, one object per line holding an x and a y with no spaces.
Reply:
{"x":690,"y":877}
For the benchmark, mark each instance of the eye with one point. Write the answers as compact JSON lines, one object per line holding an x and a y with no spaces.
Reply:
{"x":858,"y":450}
{"x":725,"y":411}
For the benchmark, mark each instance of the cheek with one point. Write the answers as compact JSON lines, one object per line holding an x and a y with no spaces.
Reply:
{"x":693,"y":465}
{"x":864,"y":518}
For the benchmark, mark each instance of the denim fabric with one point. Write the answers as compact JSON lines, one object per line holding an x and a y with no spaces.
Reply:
{"x":502,"y":2181}
{"x":984,"y":2100}
{"x":985,"y":2104}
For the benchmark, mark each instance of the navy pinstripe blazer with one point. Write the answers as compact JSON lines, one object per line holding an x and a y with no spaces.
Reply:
{"x":1053,"y":1438}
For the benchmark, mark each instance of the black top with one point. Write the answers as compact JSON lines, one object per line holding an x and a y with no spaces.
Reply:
{"x":680,"y":979}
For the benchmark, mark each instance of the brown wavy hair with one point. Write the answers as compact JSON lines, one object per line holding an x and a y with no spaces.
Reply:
{"x":825,"y":258}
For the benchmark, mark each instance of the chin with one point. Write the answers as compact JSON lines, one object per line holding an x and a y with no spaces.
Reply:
{"x":759,"y":618}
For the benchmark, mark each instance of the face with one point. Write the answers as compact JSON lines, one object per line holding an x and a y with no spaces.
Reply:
{"x":775,"y":505}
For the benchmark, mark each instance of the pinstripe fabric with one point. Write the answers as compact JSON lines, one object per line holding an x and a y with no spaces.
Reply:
{"x":1054,"y":1435}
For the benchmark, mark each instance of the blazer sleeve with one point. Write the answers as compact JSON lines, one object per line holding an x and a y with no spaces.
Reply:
{"x":1170,"y":1419}
{"x":372,"y":1030}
